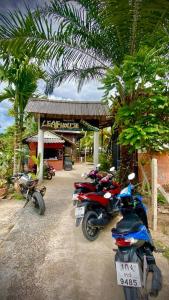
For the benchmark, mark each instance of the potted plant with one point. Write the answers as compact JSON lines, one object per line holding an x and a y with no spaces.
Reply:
{"x":3,"y":187}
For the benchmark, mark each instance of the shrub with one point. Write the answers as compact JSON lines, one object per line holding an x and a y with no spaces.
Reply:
{"x":105,"y":161}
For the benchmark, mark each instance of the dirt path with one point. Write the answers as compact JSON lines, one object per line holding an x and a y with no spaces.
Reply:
{"x":47,"y":258}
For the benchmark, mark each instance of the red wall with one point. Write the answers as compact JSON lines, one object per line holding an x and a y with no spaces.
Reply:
{"x":57,"y":164}
{"x":163,"y":166}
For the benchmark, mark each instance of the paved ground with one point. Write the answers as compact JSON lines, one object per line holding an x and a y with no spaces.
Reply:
{"x":47,"y":258}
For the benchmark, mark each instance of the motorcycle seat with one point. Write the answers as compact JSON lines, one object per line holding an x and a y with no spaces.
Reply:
{"x":128,"y":224}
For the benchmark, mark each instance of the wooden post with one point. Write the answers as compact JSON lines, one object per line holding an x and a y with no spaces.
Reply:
{"x":96,"y":148}
{"x":40,"y":150}
{"x":154,"y":191}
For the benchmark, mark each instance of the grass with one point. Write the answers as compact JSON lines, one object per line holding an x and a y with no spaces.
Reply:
{"x":165,"y":250}
{"x":17,"y":196}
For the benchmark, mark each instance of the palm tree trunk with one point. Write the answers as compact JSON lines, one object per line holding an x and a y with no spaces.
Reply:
{"x":16,"y":136}
{"x":127,"y":164}
{"x":20,"y":146}
{"x":15,"y":166}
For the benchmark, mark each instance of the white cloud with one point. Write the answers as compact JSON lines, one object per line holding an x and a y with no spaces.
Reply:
{"x":68,"y":90}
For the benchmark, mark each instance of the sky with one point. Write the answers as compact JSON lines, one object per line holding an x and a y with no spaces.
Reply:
{"x":68,"y":90}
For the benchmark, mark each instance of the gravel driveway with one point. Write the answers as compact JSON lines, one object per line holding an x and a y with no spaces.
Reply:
{"x":47,"y":257}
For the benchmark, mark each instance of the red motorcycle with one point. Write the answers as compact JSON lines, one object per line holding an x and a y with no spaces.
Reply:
{"x":95,"y":211}
{"x":97,"y":185}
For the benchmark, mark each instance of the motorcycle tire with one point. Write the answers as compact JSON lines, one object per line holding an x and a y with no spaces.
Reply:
{"x":49,"y":176}
{"x":39,"y":203}
{"x":89,"y":232}
{"x":132,"y":293}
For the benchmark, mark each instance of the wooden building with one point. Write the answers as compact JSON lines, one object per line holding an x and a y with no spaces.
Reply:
{"x":64,"y":115}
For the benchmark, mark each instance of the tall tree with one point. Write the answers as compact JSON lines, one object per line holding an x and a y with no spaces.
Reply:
{"x":21,"y":76}
{"x":138,"y":90}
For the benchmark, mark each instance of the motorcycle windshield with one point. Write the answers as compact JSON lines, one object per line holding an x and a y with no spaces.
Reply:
{"x":125,"y":192}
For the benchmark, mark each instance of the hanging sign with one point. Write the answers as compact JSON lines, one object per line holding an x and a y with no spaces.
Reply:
{"x":54,"y":124}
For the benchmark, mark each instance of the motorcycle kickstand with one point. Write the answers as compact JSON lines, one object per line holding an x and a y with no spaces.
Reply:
{"x":26,"y":203}
{"x":27,"y":198}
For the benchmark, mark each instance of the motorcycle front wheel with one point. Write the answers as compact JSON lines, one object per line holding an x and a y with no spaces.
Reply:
{"x":91,"y":233}
{"x":39,"y":203}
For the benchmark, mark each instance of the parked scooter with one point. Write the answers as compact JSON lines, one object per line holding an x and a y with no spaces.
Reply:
{"x":134,"y":258}
{"x":30,"y":191}
{"x":86,"y":187}
{"x":95,"y":211}
{"x":48,"y":173}
{"x":100,"y":182}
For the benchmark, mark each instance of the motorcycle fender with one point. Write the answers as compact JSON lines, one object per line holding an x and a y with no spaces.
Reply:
{"x":78,"y":221}
{"x":126,"y":255}
{"x":41,"y":190}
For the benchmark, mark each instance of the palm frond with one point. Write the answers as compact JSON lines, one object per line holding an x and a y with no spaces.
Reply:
{"x":84,"y":34}
{"x":81,"y":76}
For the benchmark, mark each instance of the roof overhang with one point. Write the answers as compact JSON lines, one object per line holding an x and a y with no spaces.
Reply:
{"x":94,"y":112}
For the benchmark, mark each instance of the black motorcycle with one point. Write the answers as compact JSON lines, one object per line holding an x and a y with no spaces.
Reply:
{"x":30,"y":191}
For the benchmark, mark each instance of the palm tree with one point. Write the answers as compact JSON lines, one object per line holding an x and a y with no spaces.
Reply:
{"x":82,"y":38}
{"x":21,"y":75}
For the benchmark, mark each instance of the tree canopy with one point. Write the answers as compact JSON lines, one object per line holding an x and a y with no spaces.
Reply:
{"x":139,"y":93}
{"x":83,"y":37}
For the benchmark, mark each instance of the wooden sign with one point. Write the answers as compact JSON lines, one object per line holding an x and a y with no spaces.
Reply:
{"x":54,"y":124}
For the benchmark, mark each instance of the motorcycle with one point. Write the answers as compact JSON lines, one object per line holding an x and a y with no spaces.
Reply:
{"x":30,"y":191}
{"x":134,"y":258}
{"x":95,"y":186}
{"x":87,"y":186}
{"x":95,"y":211}
{"x":49,"y":171}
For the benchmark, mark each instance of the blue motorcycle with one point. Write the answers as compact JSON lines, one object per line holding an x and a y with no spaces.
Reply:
{"x":134,"y":258}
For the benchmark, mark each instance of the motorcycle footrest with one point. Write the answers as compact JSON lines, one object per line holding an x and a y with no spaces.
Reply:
{"x":26,"y":203}
{"x":150,"y":260}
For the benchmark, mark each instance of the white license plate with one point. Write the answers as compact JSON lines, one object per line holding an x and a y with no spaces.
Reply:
{"x":79,"y":212}
{"x":128,"y":274}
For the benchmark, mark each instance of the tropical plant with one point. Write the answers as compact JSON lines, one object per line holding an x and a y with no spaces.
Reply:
{"x":105,"y":161}
{"x":21,"y":75}
{"x":3,"y":183}
{"x":6,"y":152}
{"x":83,"y":37}
{"x":138,"y":91}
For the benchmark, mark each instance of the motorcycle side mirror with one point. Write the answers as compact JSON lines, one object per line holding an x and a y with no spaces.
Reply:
{"x":131,"y":176}
{"x":112,"y":169}
{"x":107,"y":195}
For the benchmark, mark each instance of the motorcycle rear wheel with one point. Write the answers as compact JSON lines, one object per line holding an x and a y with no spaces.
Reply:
{"x":89,"y":232}
{"x":49,"y":176}
{"x":39,"y":203}
{"x":132,"y":293}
